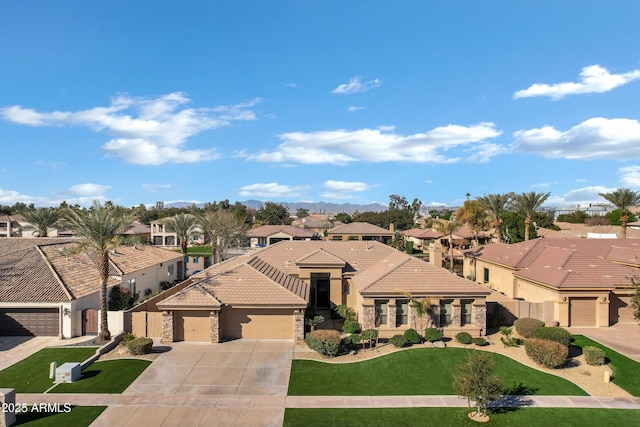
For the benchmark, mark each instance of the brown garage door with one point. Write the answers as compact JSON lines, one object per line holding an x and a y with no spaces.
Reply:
{"x":620,"y":310}
{"x":29,"y":321}
{"x":191,"y":326}
{"x":582,"y":312}
{"x":257,"y":323}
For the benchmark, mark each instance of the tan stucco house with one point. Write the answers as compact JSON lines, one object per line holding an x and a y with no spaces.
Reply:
{"x":269,"y":234}
{"x":577,"y":282}
{"x":360,"y":231}
{"x":265,"y":294}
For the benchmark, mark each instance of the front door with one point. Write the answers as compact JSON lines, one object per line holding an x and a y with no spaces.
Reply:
{"x":320,"y":290}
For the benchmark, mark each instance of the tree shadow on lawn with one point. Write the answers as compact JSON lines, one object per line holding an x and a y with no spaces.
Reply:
{"x":519,"y":389}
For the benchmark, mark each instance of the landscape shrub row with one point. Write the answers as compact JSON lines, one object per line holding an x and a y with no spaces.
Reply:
{"x":550,"y":354}
{"x":526,"y":326}
{"x":594,"y":356}
{"x":325,"y":342}
{"x":138,"y":346}
{"x":553,"y":333}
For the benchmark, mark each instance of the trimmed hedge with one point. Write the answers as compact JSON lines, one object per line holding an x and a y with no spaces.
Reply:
{"x":553,"y":333}
{"x":479,"y":341}
{"x":526,"y":326}
{"x":398,"y":341}
{"x":594,"y":356}
{"x":412,"y":336}
{"x":325,"y":342}
{"x":464,"y":338}
{"x":351,"y":342}
{"x":549,"y":354}
{"x":370,"y":335}
{"x":433,"y":334}
{"x":351,"y":327}
{"x":138,"y":346}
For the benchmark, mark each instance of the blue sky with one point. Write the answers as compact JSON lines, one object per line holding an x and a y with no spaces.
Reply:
{"x":334,"y":101}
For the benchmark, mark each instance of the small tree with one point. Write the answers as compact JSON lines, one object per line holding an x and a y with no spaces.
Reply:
{"x":477,"y":381}
{"x":635,"y":298}
{"x":314,"y":321}
{"x":421,"y":306}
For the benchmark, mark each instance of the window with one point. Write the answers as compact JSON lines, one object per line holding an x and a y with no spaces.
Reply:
{"x":170,"y":270}
{"x":445,"y":312}
{"x":196,"y":259}
{"x":382,"y":307}
{"x":346,"y":289}
{"x":131,"y":284}
{"x":402,"y":312}
{"x":486,"y":275}
{"x":466,"y":311}
{"x":354,"y":237}
{"x":336,"y":237}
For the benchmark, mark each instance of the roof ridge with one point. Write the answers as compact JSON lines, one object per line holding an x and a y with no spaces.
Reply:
{"x":394,"y":254}
{"x":292,"y":284}
{"x":55,"y":273}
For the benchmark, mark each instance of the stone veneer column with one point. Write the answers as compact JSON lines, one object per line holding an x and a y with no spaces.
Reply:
{"x":214,"y":318}
{"x":456,"y":315}
{"x":368,"y":316}
{"x":298,"y":325}
{"x":479,"y":315}
{"x":167,"y":326}
{"x":7,"y":402}
{"x":391,"y":314}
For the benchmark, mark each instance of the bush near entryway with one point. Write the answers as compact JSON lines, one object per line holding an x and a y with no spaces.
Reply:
{"x":553,"y":333}
{"x":464,"y":338}
{"x":398,"y":341}
{"x":433,"y":334}
{"x":526,"y":326}
{"x":412,"y":336}
{"x":351,"y":327}
{"x":325,"y":342}
{"x":549,"y":354}
{"x":138,"y":346}
{"x":594,"y":356}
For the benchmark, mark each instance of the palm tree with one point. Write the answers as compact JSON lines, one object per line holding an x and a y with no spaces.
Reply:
{"x":528,"y":204}
{"x":448,"y":228}
{"x":184,"y":225}
{"x":100,"y":228}
{"x":41,"y":220}
{"x":623,"y":199}
{"x":421,"y":306}
{"x":495,"y":204}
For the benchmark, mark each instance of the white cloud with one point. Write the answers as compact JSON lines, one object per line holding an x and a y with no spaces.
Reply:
{"x":353,"y":109}
{"x":343,"y":186}
{"x":271,"y":190}
{"x":328,"y":195}
{"x":154,"y":188}
{"x":341,"y":147}
{"x":81,"y":194}
{"x":146,"y":131}
{"x":580,"y":196}
{"x":596,"y":138}
{"x":630,"y":176}
{"x":593,"y":79}
{"x":356,"y":85}
{"x":89,"y":189}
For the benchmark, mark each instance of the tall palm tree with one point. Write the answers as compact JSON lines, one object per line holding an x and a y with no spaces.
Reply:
{"x":528,"y":204}
{"x":100,"y":227}
{"x":185,"y":227}
{"x":41,"y":220}
{"x":495,"y":204}
{"x":448,"y":228}
{"x":623,"y":199}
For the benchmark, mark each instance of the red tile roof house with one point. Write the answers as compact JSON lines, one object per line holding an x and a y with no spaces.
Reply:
{"x":47,"y":289}
{"x":360,"y":231}
{"x":265,"y":294}
{"x":577,"y":282}
{"x":269,"y":234}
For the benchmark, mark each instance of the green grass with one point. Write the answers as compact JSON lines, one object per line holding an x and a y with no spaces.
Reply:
{"x":79,"y":416}
{"x":110,"y":376}
{"x":415,"y":372}
{"x":31,"y":375}
{"x":626,"y":372}
{"x":523,"y":417}
{"x":197,"y":250}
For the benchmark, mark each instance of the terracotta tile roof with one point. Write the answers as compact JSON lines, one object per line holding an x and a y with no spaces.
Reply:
{"x":194,"y":296}
{"x":292,"y":284}
{"x":270,"y":230}
{"x":138,"y":228}
{"x":422,"y":233}
{"x":363,"y":228}
{"x":320,"y":257}
{"x":132,"y":258}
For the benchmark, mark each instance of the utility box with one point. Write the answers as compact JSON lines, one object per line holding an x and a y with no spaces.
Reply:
{"x":68,"y":372}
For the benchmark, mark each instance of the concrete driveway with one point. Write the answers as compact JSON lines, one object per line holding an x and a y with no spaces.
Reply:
{"x":623,"y":338}
{"x":241,"y":367}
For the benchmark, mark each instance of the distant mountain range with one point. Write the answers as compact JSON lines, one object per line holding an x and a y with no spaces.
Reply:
{"x":319,"y":207}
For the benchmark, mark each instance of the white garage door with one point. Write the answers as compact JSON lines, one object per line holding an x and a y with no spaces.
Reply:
{"x":257,"y":323}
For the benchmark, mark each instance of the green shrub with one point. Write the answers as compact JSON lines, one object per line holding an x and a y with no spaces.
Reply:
{"x":479,"y":341}
{"x":128,"y":337}
{"x":325,"y":342}
{"x":526,"y":326}
{"x":350,"y":327}
{"x":506,"y":337}
{"x":398,"y":341}
{"x":351,"y":342}
{"x":553,"y":333}
{"x":433,"y":334}
{"x":346,"y":312}
{"x":138,"y":346}
{"x":412,"y":336}
{"x":594,"y":356}
{"x":549,"y":354}
{"x":464,"y":338}
{"x":370,"y":336}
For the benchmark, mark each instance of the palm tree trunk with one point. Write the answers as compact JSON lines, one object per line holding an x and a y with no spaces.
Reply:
{"x":527,"y":225}
{"x":624,"y":219}
{"x":103,"y":265}
{"x":450,"y":253}
{"x":496,"y":225}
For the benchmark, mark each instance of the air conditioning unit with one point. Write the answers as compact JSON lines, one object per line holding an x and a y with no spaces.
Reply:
{"x":68,"y":372}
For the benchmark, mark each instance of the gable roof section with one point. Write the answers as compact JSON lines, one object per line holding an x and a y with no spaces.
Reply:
{"x":363,"y":228}
{"x":422,"y":233}
{"x":133,"y":258}
{"x":292,"y":284}
{"x":270,"y":230}
{"x":192,"y":297}
{"x":320,"y":257}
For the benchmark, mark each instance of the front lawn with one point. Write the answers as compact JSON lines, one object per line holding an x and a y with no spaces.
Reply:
{"x":79,"y":416}
{"x":626,"y":371}
{"x":197,"y":250}
{"x":109,"y":376}
{"x":422,"y":371}
{"x":31,"y":375}
{"x":522,"y":417}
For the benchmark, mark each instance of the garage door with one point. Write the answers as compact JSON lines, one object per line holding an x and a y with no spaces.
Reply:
{"x":191,"y":326}
{"x":257,"y":323}
{"x":620,"y":310}
{"x":30,"y":321}
{"x":582,"y":312}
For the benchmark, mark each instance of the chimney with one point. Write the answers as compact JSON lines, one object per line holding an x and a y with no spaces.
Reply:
{"x":392,"y":228}
{"x":435,"y":254}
